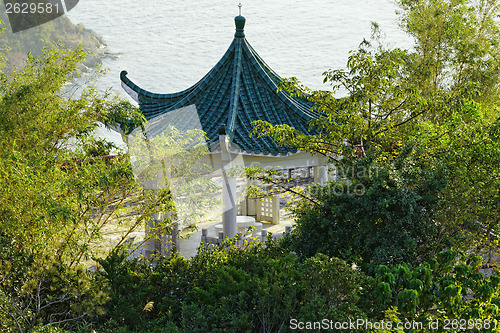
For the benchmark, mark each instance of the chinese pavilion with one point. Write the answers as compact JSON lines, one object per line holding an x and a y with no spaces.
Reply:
{"x":238,"y":90}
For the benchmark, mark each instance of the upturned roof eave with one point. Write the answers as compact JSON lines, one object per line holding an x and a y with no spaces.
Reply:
{"x":230,"y":76}
{"x":238,"y":45}
{"x":198,"y":85}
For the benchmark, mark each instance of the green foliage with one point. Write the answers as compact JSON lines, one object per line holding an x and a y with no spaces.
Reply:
{"x":446,"y":287}
{"x":231,"y":289}
{"x":35,"y":291}
{"x":380,"y":99}
{"x":416,"y":146}
{"x":463,"y":144}
{"x":383,"y":215}
{"x":33,"y":41}
{"x":98,"y":147}
{"x":439,"y":99}
{"x":457,"y":46}
{"x":56,"y":197}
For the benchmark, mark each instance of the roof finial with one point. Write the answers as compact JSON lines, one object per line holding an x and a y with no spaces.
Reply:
{"x":240,"y":7}
{"x":240,"y":25}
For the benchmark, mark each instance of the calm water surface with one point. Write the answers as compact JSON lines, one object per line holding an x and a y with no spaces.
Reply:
{"x":167,"y":46}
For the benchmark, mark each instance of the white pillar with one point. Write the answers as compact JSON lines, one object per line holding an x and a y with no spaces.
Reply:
{"x":320,"y":173}
{"x":153,"y":244}
{"x":276,"y":209}
{"x":244,"y":207}
{"x":228,"y":190}
{"x":169,"y":240}
{"x":251,"y":207}
{"x":252,"y":203}
{"x":153,"y":179}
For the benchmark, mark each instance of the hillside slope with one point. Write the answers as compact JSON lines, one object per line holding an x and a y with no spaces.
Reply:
{"x":59,"y":30}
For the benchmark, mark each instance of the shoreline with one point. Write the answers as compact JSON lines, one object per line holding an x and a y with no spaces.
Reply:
{"x":60,"y":30}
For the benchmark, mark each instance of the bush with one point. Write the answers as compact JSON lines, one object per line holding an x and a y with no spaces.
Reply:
{"x":387,"y":220}
{"x":230,"y":289}
{"x":448,"y":286}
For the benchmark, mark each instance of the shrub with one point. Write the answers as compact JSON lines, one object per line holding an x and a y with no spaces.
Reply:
{"x":230,"y":289}
{"x":388,"y":220}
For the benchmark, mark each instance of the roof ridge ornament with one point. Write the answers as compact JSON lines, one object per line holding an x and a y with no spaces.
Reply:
{"x":238,"y":90}
{"x":240,"y":25}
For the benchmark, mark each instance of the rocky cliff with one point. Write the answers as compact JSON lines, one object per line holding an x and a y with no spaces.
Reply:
{"x":59,"y":30}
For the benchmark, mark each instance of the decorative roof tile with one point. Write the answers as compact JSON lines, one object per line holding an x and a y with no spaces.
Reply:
{"x":238,"y":90}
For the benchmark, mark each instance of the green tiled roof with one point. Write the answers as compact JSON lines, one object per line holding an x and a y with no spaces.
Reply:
{"x":239,"y":89}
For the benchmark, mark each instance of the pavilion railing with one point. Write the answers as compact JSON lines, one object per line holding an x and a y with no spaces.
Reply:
{"x":241,"y":240}
{"x":263,"y":209}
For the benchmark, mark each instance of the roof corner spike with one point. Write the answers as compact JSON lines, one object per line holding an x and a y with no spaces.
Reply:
{"x":240,"y":25}
{"x":240,"y":5}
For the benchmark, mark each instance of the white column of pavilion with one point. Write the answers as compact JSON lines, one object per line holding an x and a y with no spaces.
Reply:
{"x":320,"y":172}
{"x":229,"y":197}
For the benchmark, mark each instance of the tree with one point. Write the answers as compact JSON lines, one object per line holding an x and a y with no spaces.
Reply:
{"x":249,"y":289}
{"x":456,"y":47}
{"x":58,"y":198}
{"x":441,"y":99}
{"x":456,"y":63}
{"x":385,"y":215}
{"x":380,"y":100}
{"x":446,"y":289}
